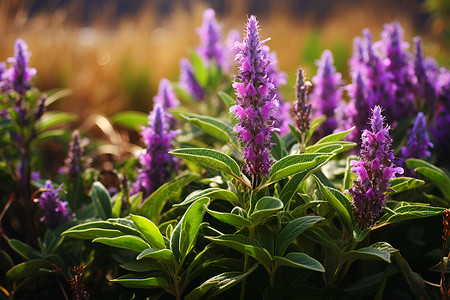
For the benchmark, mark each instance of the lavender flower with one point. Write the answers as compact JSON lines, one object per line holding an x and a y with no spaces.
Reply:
{"x":425,"y":87}
{"x":232,"y":37}
{"x":418,"y":141}
{"x":166,"y":97}
{"x":188,"y":81}
{"x":373,"y":171}
{"x":74,"y":165}
{"x":4,"y":84}
{"x":157,"y":164}
{"x":55,"y":211}
{"x":20,"y":74}
{"x":211,"y":39}
{"x":326,"y":94}
{"x":255,"y":103}
{"x":301,"y":109}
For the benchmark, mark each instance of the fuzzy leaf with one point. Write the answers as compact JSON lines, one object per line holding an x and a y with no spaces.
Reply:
{"x":433,"y":173}
{"x":400,"y":184}
{"x":129,"y":242}
{"x":26,"y":251}
{"x":150,"y":232}
{"x":264,"y":208}
{"x":212,"y":194}
{"x":226,"y":99}
{"x":54,"y":118}
{"x":299,"y":260}
{"x":230,"y":218}
{"x":330,"y":147}
{"x":102,"y":200}
{"x":134,"y":281}
{"x":190,"y":225}
{"x":367,"y":253}
{"x":131,"y":119}
{"x":334,"y":137}
{"x":292,"y":230}
{"x":209,"y":158}
{"x":27,"y":269}
{"x":408,"y":212}
{"x":163,"y":256}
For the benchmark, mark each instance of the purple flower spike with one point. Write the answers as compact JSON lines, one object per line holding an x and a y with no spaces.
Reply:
{"x":55,"y":212}
{"x":426,"y":90}
{"x":301,"y":108}
{"x":418,"y":141}
{"x":157,"y":164}
{"x":20,"y":74}
{"x":256,"y":102}
{"x":326,"y":94}
{"x":188,"y":81}
{"x":210,"y":37}
{"x":373,"y":171}
{"x":166,"y":97}
{"x":74,"y":165}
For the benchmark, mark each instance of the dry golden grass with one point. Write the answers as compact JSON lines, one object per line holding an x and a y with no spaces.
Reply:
{"x":114,"y":65}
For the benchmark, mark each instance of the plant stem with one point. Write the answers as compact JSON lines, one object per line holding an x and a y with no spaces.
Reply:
{"x":244,"y":281}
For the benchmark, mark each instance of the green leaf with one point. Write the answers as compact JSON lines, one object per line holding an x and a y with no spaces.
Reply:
{"x":131,"y":119}
{"x":27,"y":269}
{"x":294,"y":164}
{"x":175,"y":241}
{"x":230,"y":218}
{"x":264,"y":208}
{"x":337,"y":203}
{"x":226,"y":99}
{"x":135,"y":200}
{"x":212,"y":194}
{"x":209,"y":158}
{"x":433,"y":173}
{"x":154,"y":204}
{"x":366,"y":253}
{"x":200,"y":70}
{"x":53,"y":118}
{"x":219,"y":284}
{"x":321,"y":237}
{"x":292,"y":230}
{"x":134,"y":281}
{"x":93,"y":230}
{"x":277,"y":150}
{"x":56,"y":133}
{"x":150,"y":231}
{"x":335,"y":137}
{"x":415,"y":281}
{"x":245,"y":245}
{"x":163,"y":256}
{"x":102,"y":200}
{"x":117,"y":205}
{"x":401,"y":184}
{"x":129,"y":242}
{"x":212,"y":126}
{"x":56,"y":95}
{"x":299,"y":260}
{"x":407,"y":211}
{"x":330,"y":147}
{"x":26,"y":251}
{"x":190,"y":225}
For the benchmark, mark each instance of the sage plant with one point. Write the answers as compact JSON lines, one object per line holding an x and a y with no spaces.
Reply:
{"x":373,"y":171}
{"x":255,"y":102}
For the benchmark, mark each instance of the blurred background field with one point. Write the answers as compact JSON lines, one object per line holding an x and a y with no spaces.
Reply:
{"x":112,"y":54}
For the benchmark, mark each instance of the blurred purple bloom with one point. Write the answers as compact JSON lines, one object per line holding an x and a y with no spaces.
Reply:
{"x":74,"y":165}
{"x":425,"y":86}
{"x":326,"y":94}
{"x":233,"y":37}
{"x":301,"y":108}
{"x":373,"y":171}
{"x":55,"y":212}
{"x":4,"y":84}
{"x":20,"y":74}
{"x":256,"y":102}
{"x":166,"y":97}
{"x":418,"y":141}
{"x":210,"y":33}
{"x":157,"y":164}
{"x":440,"y":130}
{"x":188,"y":81}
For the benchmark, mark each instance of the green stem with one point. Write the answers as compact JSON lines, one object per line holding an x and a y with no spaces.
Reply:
{"x":244,"y":281}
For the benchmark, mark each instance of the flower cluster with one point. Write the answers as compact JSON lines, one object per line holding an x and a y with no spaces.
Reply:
{"x":210,"y":34}
{"x":373,"y":171}
{"x":255,"y":103}
{"x":73,"y":162}
{"x":157,"y":164}
{"x":55,"y":211}
{"x":326,"y":94}
{"x":418,"y":141}
{"x":301,"y":108}
{"x":188,"y":81}
{"x":167,"y":98}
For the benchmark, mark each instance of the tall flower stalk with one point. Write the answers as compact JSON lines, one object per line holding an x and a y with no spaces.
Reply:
{"x":301,"y":108}
{"x":255,"y":103}
{"x":157,"y":164}
{"x":373,"y":171}
{"x":210,"y":33}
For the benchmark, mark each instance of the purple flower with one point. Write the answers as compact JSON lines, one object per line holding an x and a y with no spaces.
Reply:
{"x":4,"y":84}
{"x":233,"y":37}
{"x":301,"y":108}
{"x":425,"y":86}
{"x":373,"y":171}
{"x":326,"y":94}
{"x":157,"y":164}
{"x":166,"y":97}
{"x":55,"y":211}
{"x":20,"y":74}
{"x":418,"y":141}
{"x":256,"y":102}
{"x":188,"y":81}
{"x":211,"y":39}
{"x":74,"y":165}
